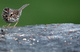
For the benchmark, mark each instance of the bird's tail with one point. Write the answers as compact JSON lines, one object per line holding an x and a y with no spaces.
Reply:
{"x":23,"y":7}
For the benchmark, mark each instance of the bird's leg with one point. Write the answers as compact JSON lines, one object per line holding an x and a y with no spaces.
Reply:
{"x":9,"y":25}
{"x":15,"y":24}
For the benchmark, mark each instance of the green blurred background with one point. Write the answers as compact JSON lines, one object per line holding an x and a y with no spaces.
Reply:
{"x":44,"y":11}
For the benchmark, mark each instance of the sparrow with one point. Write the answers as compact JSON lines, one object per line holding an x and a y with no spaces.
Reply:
{"x":12,"y":15}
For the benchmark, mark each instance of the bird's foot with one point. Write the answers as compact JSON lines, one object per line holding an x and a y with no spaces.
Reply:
{"x":8,"y":26}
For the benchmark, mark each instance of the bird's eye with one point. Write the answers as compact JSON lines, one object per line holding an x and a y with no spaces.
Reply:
{"x":11,"y":15}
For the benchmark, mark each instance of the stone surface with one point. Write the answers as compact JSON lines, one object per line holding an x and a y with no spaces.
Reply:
{"x":41,"y":38}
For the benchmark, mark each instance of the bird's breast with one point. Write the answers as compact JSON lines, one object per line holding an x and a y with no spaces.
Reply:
{"x":12,"y":20}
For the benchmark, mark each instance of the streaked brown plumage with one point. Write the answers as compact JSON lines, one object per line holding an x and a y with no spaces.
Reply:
{"x":12,"y":15}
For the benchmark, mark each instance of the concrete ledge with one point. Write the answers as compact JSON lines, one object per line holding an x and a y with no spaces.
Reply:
{"x":41,"y":38}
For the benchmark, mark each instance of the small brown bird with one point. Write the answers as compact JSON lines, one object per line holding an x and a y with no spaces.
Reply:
{"x":12,"y":15}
